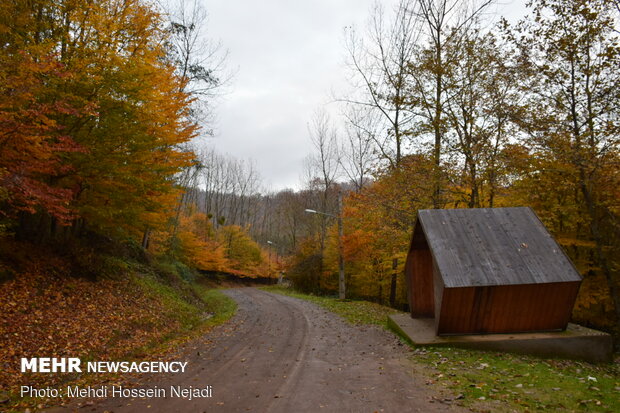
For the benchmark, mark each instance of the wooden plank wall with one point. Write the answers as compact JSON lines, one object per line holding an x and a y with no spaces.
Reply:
{"x":507,"y":308}
{"x":419,"y":273}
{"x":439,"y":287}
{"x":422,"y":294}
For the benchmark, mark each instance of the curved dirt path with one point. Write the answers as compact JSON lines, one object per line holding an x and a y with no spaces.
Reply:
{"x":282,"y":354}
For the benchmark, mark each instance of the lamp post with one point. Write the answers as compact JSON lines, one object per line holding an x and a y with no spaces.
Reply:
{"x":341,"y":281}
{"x":272,"y":244}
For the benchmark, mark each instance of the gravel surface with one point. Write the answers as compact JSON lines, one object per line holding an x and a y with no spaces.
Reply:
{"x":282,"y":354}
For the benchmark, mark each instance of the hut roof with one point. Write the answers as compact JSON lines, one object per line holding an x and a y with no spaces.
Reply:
{"x":493,"y":246}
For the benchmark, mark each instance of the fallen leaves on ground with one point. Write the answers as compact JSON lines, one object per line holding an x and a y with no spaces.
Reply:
{"x":46,"y":315}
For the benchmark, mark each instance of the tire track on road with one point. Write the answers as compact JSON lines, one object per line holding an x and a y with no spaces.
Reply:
{"x":281,"y":354}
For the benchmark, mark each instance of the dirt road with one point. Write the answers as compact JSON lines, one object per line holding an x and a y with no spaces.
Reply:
{"x":281,"y":354}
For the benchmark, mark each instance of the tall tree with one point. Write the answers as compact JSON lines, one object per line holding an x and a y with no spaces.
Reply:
{"x":571,"y":50}
{"x":199,"y":61}
{"x":481,"y":92}
{"x":323,"y":169}
{"x":126,"y":111}
{"x":443,"y":24}
{"x":32,"y":142}
{"x":379,"y":62}
{"x":356,"y":157}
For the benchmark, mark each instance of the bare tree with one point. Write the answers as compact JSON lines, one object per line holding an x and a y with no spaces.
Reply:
{"x":443,"y":22}
{"x":323,"y":167}
{"x":228,"y":189}
{"x":200,"y":62}
{"x":356,"y":157}
{"x":380,"y":63}
{"x":325,"y":162}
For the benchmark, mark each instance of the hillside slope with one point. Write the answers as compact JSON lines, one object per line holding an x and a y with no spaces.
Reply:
{"x":136,"y":310}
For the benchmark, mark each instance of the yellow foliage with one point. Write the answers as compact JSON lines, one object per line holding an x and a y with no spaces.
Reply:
{"x":203,"y":255}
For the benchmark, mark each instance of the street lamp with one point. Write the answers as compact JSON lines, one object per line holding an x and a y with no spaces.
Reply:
{"x":274,"y":245}
{"x":341,"y":282}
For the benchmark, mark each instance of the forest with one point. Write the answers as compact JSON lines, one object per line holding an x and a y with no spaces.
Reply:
{"x":104,"y":104}
{"x":447,"y":111}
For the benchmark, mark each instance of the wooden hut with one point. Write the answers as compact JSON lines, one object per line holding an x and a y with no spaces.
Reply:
{"x":489,"y":270}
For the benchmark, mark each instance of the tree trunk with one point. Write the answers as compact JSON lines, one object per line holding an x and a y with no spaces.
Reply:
{"x":145,"y":238}
{"x":437,"y":127}
{"x":614,"y":290}
{"x":393,"y":283}
{"x":341,"y":281}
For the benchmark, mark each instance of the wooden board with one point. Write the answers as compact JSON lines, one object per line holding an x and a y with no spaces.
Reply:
{"x":419,"y":272}
{"x":506,"y":309}
{"x":493,"y":246}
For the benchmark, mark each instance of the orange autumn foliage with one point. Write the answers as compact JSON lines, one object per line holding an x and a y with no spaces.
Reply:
{"x":197,"y":245}
{"x":32,"y":141}
{"x":93,"y":118}
{"x":228,"y":249}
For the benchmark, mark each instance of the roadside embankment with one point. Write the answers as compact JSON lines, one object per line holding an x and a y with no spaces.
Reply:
{"x":138,"y":310}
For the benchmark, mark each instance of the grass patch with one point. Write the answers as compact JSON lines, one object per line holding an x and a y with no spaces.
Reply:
{"x":354,"y":311}
{"x":176,"y":307}
{"x":524,"y":383}
{"x":490,"y":381}
{"x":220,"y":306}
{"x":191,"y":318}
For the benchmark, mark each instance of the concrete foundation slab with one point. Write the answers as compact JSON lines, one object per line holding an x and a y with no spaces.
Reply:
{"x":576,"y":342}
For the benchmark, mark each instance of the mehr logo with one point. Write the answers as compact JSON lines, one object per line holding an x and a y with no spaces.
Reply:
{"x":51,"y":365}
{"x":72,"y":365}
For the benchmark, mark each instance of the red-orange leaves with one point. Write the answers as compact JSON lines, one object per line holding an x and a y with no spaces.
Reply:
{"x":92,"y":117}
{"x":31,"y":139}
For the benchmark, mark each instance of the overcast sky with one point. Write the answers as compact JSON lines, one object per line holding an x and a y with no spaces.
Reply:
{"x":288,"y":56}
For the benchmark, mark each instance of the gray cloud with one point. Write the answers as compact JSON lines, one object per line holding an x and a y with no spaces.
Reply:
{"x":289,"y":55}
